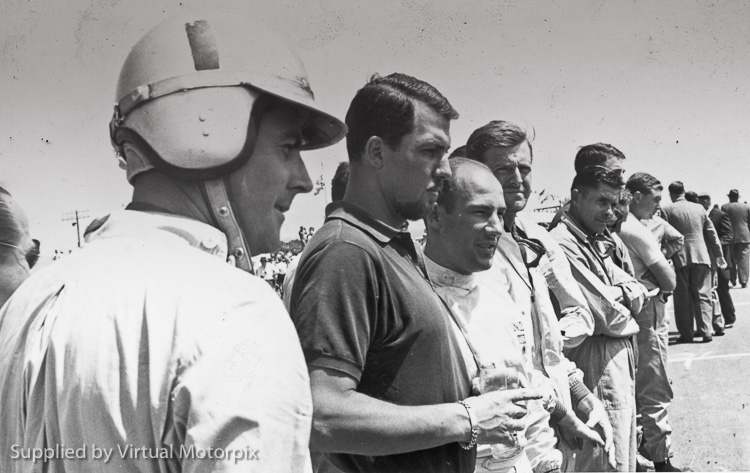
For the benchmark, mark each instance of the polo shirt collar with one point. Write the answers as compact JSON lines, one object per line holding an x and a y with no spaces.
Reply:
{"x":358,"y":217}
{"x":141,"y":223}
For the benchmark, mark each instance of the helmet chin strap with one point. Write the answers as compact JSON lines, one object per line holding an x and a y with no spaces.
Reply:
{"x":221,"y":210}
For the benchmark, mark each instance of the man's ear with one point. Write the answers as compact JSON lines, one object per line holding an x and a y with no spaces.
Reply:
{"x":637,"y":196}
{"x":575,"y":197}
{"x":373,"y":152}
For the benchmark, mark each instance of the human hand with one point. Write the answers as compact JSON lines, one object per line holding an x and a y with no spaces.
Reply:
{"x":475,"y":391}
{"x":591,"y":407}
{"x":574,"y":432}
{"x":721,"y":262}
{"x":501,"y":414}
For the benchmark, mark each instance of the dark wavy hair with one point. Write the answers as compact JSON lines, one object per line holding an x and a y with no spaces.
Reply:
{"x":590,"y":177}
{"x":644,"y":183}
{"x":596,"y":155}
{"x":384,"y":107}
{"x":496,"y":134}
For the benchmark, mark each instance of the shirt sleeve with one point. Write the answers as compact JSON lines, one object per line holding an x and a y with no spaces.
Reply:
{"x":669,"y":238}
{"x":643,"y":244}
{"x":726,"y":229}
{"x":711,"y":237}
{"x":613,"y":318}
{"x":576,"y":321}
{"x":335,"y":305}
{"x":540,"y":450}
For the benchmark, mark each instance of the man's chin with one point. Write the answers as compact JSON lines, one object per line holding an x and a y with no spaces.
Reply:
{"x":413,"y":210}
{"x":515,"y":203}
{"x":264,"y":245}
{"x":594,"y":228}
{"x":485,"y":265}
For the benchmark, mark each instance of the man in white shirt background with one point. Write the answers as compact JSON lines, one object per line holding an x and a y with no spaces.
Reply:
{"x":653,"y":391}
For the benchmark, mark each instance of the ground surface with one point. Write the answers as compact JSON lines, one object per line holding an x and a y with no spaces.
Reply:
{"x":710,"y":414}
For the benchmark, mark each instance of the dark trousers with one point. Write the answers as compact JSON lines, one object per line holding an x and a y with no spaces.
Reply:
{"x":722,"y":289}
{"x":739,"y":266}
{"x":692,"y":300}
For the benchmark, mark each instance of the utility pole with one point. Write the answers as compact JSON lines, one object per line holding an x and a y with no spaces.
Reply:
{"x":75,"y":216}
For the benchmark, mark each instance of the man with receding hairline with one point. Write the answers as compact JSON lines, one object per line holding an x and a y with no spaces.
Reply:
{"x":462,"y":236}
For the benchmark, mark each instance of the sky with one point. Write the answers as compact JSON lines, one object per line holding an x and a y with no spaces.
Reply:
{"x":665,"y":82}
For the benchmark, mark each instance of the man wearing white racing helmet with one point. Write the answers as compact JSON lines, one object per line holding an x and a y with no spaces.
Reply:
{"x":146,"y":347}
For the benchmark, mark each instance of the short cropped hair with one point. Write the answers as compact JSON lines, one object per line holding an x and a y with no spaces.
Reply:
{"x":596,"y":155}
{"x":339,"y":181}
{"x":590,"y":177}
{"x":459,"y":152}
{"x":692,"y":196}
{"x":448,"y":193}
{"x":677,"y":188}
{"x":496,"y":134}
{"x":384,"y":107}
{"x":644,"y":183}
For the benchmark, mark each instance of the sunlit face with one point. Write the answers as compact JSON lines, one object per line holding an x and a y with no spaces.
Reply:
{"x":264,"y":187}
{"x":415,"y":170}
{"x":513,"y":170}
{"x":471,"y":231}
{"x":646,"y":205}
{"x":595,"y":208}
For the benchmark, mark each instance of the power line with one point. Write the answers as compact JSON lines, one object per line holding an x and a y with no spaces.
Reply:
{"x":75,"y":216}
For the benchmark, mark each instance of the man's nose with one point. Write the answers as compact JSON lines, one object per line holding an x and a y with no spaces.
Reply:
{"x":299,"y":178}
{"x":495,"y":225}
{"x":516,"y":175}
{"x":444,"y":169}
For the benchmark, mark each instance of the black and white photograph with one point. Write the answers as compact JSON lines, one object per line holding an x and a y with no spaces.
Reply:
{"x":332,"y":236}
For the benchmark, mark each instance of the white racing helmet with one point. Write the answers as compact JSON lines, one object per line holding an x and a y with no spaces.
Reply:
{"x":189,"y":99}
{"x":188,"y":89}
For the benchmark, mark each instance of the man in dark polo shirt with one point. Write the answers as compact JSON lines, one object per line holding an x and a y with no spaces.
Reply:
{"x":385,"y":362}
